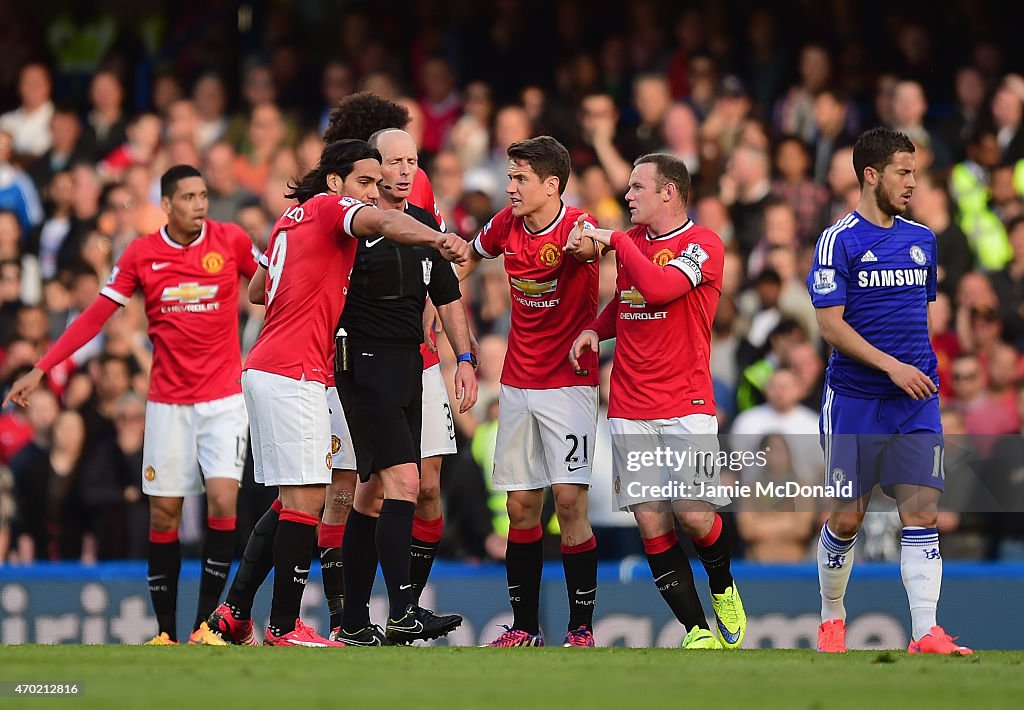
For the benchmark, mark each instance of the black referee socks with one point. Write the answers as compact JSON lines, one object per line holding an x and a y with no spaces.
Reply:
{"x":394,"y":539}
{"x":359,"y":560}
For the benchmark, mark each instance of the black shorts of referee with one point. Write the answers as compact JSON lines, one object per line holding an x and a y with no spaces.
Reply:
{"x":381,"y":394}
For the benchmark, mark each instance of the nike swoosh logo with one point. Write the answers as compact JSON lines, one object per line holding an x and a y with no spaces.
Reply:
{"x":730,"y":638}
{"x":324,"y":552}
{"x":310,"y":644}
{"x":375,"y":241}
{"x":572,"y":469}
{"x":589,"y":591}
{"x":217,"y":564}
{"x":509,"y":253}
{"x":411,"y":629}
{"x":658,"y":579}
{"x":301,"y":571}
{"x":160,"y":265}
{"x":514,"y":586}
{"x":405,"y":586}
{"x":155,"y":577}
{"x":375,"y":642}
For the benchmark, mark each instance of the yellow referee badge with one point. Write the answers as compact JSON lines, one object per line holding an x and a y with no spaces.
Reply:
{"x":213,"y":262}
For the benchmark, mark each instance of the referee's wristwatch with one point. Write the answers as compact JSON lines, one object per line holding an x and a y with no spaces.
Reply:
{"x":468,"y":357}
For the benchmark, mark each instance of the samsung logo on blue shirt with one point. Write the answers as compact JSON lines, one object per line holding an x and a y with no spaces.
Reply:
{"x":888,"y":278}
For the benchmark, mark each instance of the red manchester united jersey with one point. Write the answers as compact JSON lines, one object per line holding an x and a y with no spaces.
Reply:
{"x":422,"y":195}
{"x":191,"y":296}
{"x":554,"y":297}
{"x":309,"y":263}
{"x":661,"y":368}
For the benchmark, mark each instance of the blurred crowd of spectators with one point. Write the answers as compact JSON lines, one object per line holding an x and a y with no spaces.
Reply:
{"x":764,"y":112}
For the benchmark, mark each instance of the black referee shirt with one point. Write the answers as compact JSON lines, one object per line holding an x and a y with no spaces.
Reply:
{"x":390,"y":283}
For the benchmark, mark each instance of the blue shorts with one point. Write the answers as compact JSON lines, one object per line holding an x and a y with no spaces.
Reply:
{"x":881,"y":441}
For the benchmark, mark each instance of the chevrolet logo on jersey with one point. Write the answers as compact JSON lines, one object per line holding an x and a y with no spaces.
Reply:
{"x":529,"y":287}
{"x":634,"y":298}
{"x":189,"y":293}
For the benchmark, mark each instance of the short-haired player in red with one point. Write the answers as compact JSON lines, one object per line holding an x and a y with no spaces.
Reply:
{"x":311,"y":253}
{"x":548,"y":410}
{"x":196,"y":424}
{"x":666,"y":295}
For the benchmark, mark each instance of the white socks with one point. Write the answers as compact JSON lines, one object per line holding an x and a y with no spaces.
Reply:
{"x":921,"y":569}
{"x":835,"y":562}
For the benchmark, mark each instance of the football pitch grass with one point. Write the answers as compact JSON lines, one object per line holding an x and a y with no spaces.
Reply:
{"x":454,"y":678}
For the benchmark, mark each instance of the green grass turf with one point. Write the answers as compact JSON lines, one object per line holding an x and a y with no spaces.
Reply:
{"x":187,"y":678}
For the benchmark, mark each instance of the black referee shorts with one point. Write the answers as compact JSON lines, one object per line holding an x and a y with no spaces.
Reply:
{"x":382,"y":396}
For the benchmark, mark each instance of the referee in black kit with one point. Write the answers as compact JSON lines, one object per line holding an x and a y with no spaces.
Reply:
{"x":379,"y":377}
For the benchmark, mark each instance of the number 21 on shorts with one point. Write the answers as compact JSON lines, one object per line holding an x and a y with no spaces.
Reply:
{"x":579,"y":452}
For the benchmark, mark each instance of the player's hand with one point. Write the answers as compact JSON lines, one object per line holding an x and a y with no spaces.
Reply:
{"x":579,"y":243}
{"x":912,"y":381}
{"x":466,"y":386}
{"x":586,"y":339}
{"x":23,"y":387}
{"x":431,"y":326}
{"x":601,"y":236}
{"x":454,"y":248}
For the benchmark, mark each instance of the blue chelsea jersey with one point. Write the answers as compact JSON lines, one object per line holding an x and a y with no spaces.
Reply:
{"x":885,"y":278}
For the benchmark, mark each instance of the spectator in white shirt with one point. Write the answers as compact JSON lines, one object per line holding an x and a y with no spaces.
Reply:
{"x":783,"y":414}
{"x":29,"y":124}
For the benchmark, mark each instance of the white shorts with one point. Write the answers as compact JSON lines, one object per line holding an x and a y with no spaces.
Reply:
{"x":544,"y":437}
{"x":343,"y":453}
{"x":186,"y":443}
{"x":437,"y":427}
{"x":290,"y":427}
{"x":655,"y":460}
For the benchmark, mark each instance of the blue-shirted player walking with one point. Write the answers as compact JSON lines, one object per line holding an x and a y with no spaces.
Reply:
{"x":873,"y":277}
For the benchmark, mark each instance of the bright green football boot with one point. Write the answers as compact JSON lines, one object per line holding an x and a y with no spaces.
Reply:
{"x":732,"y":620}
{"x":698,"y":638}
